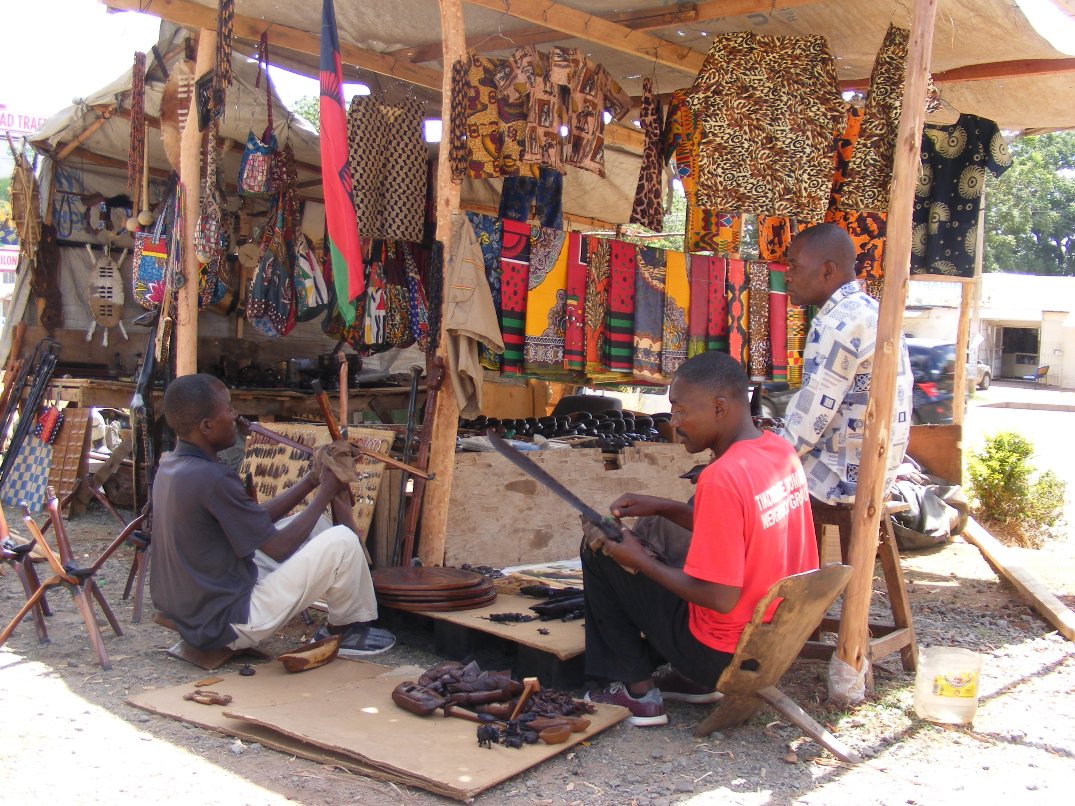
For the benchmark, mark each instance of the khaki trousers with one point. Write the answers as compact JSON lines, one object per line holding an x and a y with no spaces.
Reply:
{"x":330,"y":565}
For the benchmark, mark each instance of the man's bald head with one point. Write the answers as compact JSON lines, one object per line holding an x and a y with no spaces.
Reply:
{"x":821,"y":258}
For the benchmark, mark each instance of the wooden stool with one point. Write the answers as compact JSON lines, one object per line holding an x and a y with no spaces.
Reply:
{"x":208,"y":659}
{"x":886,"y":638}
{"x":766,"y":650}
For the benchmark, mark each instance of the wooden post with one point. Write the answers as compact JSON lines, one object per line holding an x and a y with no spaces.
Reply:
{"x":446,"y":414}
{"x":865,"y":517}
{"x":190,"y":177}
{"x":959,"y":383}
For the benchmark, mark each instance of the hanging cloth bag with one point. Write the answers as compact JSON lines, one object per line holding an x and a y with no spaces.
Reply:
{"x":148,"y":264}
{"x":255,"y":166}
{"x":311,"y":291}
{"x":211,"y":236}
{"x":270,"y":304}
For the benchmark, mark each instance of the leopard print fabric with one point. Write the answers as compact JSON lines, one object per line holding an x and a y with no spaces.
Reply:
{"x":768,"y":107}
{"x":869,"y":172}
{"x":648,"y":209}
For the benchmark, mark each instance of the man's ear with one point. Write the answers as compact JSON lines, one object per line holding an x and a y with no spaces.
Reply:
{"x":720,"y":406}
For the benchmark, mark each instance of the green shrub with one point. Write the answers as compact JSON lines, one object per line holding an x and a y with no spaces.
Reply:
{"x":1026,"y":506}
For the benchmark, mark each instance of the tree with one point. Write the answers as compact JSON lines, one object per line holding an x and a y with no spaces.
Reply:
{"x":1030,"y":209}
{"x":309,"y":108}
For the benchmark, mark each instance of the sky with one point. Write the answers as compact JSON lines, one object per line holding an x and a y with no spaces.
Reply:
{"x":81,"y":47}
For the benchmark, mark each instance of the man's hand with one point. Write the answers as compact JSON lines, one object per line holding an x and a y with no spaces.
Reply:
{"x":329,"y":480}
{"x":629,"y":552}
{"x":632,"y":505}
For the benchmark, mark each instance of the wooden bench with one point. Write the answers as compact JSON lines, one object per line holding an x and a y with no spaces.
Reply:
{"x":767,"y":649}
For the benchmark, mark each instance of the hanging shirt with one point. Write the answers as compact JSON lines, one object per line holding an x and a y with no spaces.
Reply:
{"x":593,"y":91}
{"x":495,"y":124}
{"x":951,"y":176}
{"x":527,"y":77}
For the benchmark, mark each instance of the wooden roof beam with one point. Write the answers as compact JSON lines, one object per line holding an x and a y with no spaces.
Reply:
{"x":988,"y":71}
{"x":194,"y":15}
{"x":591,"y":28}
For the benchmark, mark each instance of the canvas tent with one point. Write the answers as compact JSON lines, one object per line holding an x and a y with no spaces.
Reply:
{"x":985,"y":56}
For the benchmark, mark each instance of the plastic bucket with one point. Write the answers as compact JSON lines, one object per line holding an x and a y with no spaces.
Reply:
{"x":946,"y":686}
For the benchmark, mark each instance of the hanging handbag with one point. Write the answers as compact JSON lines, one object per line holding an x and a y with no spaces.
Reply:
{"x":210,"y":237}
{"x":397,"y":320}
{"x":255,"y":166}
{"x":148,"y":264}
{"x":416,"y":298}
{"x":270,"y":304}
{"x":311,"y":291}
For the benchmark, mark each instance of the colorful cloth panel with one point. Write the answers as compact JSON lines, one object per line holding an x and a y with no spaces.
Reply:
{"x":28,"y":478}
{"x":543,"y":193}
{"x":528,"y":76}
{"x":845,"y":147}
{"x":698,"y":313}
{"x":774,"y":237}
{"x":759,"y":362}
{"x":768,"y":107}
{"x":648,"y":207}
{"x":677,"y":299}
{"x":738,"y":296}
{"x":620,"y":330}
{"x":649,"y":313}
{"x":778,"y":321}
{"x":709,"y":230}
{"x":948,"y":196}
{"x":496,"y":124}
{"x":869,"y":172}
{"x":867,"y":231}
{"x":717,"y":327}
{"x":682,"y":134}
{"x":598,"y":277}
{"x":490,"y":232}
{"x":546,"y":301}
{"x":796,"y":344}
{"x":574,"y":311}
{"x":514,"y":280}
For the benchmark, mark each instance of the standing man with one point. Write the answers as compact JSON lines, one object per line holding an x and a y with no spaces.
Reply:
{"x":223,"y":571}
{"x":750,"y":528}
{"x":825,"y":420}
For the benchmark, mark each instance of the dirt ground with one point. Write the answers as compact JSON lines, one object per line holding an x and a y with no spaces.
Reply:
{"x":67,"y":732}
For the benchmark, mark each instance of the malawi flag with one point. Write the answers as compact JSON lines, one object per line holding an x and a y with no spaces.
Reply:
{"x":336,"y":174}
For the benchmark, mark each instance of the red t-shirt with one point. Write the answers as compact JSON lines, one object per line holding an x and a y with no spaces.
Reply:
{"x":752,"y":527}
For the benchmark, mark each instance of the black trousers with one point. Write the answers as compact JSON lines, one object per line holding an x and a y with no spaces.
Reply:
{"x":621,"y":608}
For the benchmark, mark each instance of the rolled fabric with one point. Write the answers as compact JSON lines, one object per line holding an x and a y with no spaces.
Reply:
{"x":546,"y":301}
{"x":796,"y":344}
{"x":718,"y":326}
{"x":738,"y":296}
{"x":778,"y":321}
{"x":649,"y":312}
{"x":698,"y":313}
{"x":514,"y":281}
{"x":758,"y":362}
{"x":574,"y":320}
{"x":598,"y":278}
{"x":677,"y":298}
{"x":619,"y":337}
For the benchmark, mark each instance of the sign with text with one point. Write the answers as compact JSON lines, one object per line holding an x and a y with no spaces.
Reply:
{"x":9,"y":258}
{"x":19,"y":121}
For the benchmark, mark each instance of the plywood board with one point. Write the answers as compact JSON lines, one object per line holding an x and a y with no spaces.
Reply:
{"x":345,"y":709}
{"x":500,"y":516}
{"x":276,"y":467}
{"x":566,"y":639}
{"x":939,"y":449}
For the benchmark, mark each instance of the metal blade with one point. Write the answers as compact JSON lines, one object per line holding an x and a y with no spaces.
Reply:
{"x":524,"y":463}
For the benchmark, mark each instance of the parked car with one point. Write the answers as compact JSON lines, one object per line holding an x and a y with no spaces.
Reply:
{"x":933,"y":367}
{"x":983,"y":376}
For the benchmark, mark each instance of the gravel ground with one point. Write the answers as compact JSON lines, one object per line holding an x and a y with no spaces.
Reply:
{"x":63,"y":713}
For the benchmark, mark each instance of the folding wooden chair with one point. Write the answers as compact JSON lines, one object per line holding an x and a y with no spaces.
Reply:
{"x":767,"y":649}
{"x":18,"y":557}
{"x":67,"y":573}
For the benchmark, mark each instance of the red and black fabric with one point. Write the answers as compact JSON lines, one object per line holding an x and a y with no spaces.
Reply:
{"x":599,"y":252}
{"x":717,"y":325}
{"x":698,"y":312}
{"x":514,"y":282}
{"x":575,"y":319}
{"x":738,"y":296}
{"x":341,"y":224}
{"x":778,"y":321}
{"x":649,"y":313}
{"x":620,"y":330}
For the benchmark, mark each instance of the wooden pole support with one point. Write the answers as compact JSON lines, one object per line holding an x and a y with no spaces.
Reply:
{"x":190,"y":177}
{"x":865,"y":517}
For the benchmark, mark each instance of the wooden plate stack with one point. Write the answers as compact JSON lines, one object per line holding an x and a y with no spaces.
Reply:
{"x":436,"y":589}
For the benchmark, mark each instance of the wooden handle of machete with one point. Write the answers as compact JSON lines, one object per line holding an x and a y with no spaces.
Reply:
{"x":326,"y":411}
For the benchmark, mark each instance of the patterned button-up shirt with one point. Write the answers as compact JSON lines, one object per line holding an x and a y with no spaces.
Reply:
{"x":825,"y":419}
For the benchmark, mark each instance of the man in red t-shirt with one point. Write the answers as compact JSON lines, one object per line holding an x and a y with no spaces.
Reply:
{"x":751,"y":526}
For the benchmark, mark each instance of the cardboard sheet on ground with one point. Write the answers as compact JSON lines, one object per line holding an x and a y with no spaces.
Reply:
{"x":565,"y":639}
{"x":343,"y":714}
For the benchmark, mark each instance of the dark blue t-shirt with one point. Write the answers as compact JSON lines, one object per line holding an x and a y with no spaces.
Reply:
{"x":205,"y":531}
